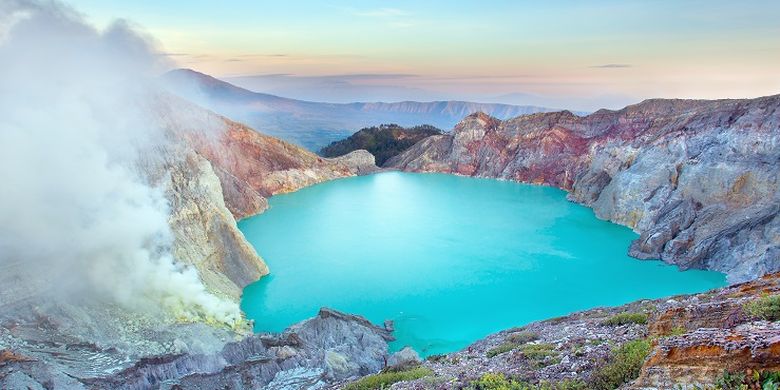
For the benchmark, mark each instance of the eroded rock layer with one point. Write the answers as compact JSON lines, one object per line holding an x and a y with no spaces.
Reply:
{"x":697,"y":179}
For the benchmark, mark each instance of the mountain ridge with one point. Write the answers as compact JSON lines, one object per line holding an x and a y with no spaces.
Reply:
{"x":316,"y":124}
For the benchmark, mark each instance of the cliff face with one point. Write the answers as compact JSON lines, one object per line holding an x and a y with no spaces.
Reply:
{"x":221,"y":171}
{"x":697,"y":179}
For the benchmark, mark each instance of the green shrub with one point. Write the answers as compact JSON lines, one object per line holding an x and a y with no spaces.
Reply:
{"x":676,"y":331}
{"x":536,"y":354}
{"x":506,"y":347}
{"x":765,"y":308}
{"x":522,"y":337}
{"x":498,"y":381}
{"x":385,"y":379}
{"x":731,"y":381}
{"x":566,"y":384}
{"x":626,"y":318}
{"x":538,"y":351}
{"x":436,"y":358}
{"x":766,"y":380}
{"x":623,"y":366}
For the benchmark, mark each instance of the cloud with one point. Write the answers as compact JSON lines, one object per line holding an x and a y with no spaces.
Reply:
{"x":612,"y":66}
{"x":79,"y":214}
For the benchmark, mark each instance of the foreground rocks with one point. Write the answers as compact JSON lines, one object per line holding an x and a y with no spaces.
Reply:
{"x":326,"y":349}
{"x":697,"y":179}
{"x":693,"y":339}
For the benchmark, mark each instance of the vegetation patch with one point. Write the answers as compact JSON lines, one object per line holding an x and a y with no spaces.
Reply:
{"x":765,"y":380}
{"x":765,"y":308}
{"x":503,"y":348}
{"x":626,"y":318}
{"x":498,"y":381}
{"x":624,"y":365}
{"x":383,"y":142}
{"x":522,"y":337}
{"x":676,"y":331}
{"x":540,"y":355}
{"x":384,"y":379}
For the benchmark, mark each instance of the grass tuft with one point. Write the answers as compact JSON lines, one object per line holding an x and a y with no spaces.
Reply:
{"x":624,"y":365}
{"x":766,"y":308}
{"x":384,"y":379}
{"x":498,"y":381}
{"x":626,"y":318}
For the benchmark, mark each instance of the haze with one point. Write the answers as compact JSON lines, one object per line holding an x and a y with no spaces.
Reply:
{"x":570,"y":54}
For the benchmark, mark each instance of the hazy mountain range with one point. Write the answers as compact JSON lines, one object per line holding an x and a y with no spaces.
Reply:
{"x":314,"y":124}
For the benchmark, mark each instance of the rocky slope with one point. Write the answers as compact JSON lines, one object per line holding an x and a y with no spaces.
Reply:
{"x":313,"y":124}
{"x":384,"y":141}
{"x":221,"y":171}
{"x":697,"y":179}
{"x":212,"y":171}
{"x":681,"y":341}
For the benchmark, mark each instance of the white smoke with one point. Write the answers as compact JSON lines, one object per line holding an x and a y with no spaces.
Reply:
{"x":75,"y":210}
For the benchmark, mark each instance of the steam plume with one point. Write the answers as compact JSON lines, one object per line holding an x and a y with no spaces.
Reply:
{"x":76,"y":212}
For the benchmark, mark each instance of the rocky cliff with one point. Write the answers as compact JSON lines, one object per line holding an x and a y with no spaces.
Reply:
{"x":697,"y":179}
{"x":217,"y":171}
{"x":212,"y":171}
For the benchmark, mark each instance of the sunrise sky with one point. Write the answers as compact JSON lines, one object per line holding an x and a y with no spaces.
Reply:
{"x":570,"y":54}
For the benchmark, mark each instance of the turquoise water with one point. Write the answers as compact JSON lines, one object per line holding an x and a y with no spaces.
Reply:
{"x":449,"y":259}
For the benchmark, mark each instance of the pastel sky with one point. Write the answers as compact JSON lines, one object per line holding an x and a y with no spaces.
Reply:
{"x":577,"y":54}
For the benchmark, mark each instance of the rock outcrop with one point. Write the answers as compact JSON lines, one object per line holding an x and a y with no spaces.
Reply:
{"x":327,"y":349}
{"x":697,"y":179}
{"x":216,"y":171}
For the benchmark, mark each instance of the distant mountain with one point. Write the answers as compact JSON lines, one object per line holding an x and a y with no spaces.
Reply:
{"x":315,"y":125}
{"x":384,"y":141}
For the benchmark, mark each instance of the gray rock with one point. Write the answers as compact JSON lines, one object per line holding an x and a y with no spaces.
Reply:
{"x":405,"y":357}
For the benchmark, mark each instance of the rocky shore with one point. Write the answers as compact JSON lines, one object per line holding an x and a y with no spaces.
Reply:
{"x":691,"y":340}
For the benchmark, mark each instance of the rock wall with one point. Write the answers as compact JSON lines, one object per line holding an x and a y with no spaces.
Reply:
{"x":217,"y":171}
{"x":697,"y":179}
